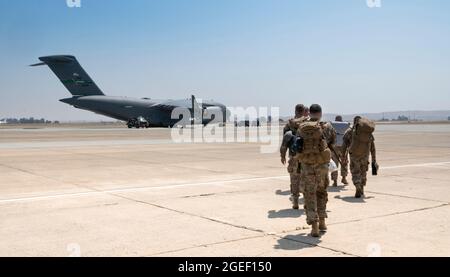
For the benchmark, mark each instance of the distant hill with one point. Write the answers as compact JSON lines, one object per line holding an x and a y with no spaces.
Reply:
{"x":411,"y":115}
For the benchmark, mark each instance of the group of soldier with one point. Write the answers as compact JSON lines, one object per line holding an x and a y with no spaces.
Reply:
{"x":315,"y":148}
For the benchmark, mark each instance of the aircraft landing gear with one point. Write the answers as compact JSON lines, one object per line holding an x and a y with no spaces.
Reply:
{"x":138,"y":123}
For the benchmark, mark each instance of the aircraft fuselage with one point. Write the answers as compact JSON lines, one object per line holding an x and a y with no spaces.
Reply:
{"x":126,"y":109}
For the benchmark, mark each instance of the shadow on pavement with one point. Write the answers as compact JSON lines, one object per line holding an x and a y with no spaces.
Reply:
{"x":351,"y":199}
{"x":286,"y":213}
{"x":297,"y":242}
{"x":337,"y":189}
{"x":280,"y":192}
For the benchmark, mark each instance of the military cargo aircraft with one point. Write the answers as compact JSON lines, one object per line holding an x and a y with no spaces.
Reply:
{"x":138,"y":113}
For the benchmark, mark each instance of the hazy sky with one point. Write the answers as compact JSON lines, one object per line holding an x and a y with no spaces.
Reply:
{"x":342,"y":54}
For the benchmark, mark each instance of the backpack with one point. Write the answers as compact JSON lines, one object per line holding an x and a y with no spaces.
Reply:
{"x":340,"y":128}
{"x":315,"y":148}
{"x":294,"y":123}
{"x":361,"y":135}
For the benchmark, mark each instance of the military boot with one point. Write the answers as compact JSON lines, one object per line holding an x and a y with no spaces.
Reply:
{"x":335,"y":184}
{"x":322,"y":225}
{"x":315,"y":230}
{"x":358,"y":193}
{"x":295,"y":202}
{"x":344,"y":181}
{"x":362,"y":191}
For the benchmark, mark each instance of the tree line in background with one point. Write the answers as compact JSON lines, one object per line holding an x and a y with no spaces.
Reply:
{"x":400,"y":118}
{"x":30,"y":120}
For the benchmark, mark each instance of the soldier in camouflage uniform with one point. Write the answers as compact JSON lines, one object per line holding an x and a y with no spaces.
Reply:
{"x":293,"y":166}
{"x":359,"y":164}
{"x":314,"y":175}
{"x":340,"y":127}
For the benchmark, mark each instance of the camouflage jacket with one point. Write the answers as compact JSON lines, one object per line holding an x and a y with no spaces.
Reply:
{"x":292,"y":126}
{"x":329,"y":133}
{"x":348,"y":138}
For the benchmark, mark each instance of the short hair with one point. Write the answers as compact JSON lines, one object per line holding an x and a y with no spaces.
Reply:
{"x":300,"y":108}
{"x":356,"y":119}
{"x":339,"y":118}
{"x":315,"y":108}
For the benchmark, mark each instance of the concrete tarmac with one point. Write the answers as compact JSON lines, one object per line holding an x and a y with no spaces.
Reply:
{"x":88,"y":191}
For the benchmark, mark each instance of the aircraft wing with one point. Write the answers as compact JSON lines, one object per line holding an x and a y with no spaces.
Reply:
{"x":172,"y":104}
{"x":168,"y":105}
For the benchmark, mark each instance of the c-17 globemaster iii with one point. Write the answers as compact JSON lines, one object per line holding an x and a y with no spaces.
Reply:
{"x":136,"y":112}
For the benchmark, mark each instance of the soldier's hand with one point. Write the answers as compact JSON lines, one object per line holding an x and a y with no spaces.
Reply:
{"x":283,"y":160}
{"x":375,"y":168}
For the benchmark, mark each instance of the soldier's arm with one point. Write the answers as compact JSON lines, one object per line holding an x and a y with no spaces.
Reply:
{"x":329,"y":134}
{"x":285,"y":144}
{"x":346,"y":142}
{"x":332,"y":139}
{"x":283,"y":151}
{"x":373,"y":151}
{"x":286,"y":128}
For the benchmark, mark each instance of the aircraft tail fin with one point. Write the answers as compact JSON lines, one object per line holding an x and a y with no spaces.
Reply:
{"x":71,"y":74}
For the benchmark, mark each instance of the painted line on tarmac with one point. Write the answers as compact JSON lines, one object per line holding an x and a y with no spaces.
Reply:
{"x":415,"y":165}
{"x":175,"y":186}
{"x":134,"y":189}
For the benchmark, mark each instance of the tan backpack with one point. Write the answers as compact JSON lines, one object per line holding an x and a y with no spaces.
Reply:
{"x":294,"y":123}
{"x":361,"y":135}
{"x":315,"y":148}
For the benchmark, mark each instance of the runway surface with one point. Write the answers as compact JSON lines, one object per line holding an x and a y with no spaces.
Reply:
{"x":78,"y":191}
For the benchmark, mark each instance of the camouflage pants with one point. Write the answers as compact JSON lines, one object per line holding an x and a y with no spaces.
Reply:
{"x":344,"y":169}
{"x":359,"y":167}
{"x":294,"y":172}
{"x":315,"y":179}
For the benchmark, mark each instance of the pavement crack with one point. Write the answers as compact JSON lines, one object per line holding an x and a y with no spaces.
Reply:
{"x":392,"y":214}
{"x":196,"y":168}
{"x":408,"y":197}
{"x":205,"y":245}
{"x":47,"y":177}
{"x":218,"y":193}
{"x":191,"y":214}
